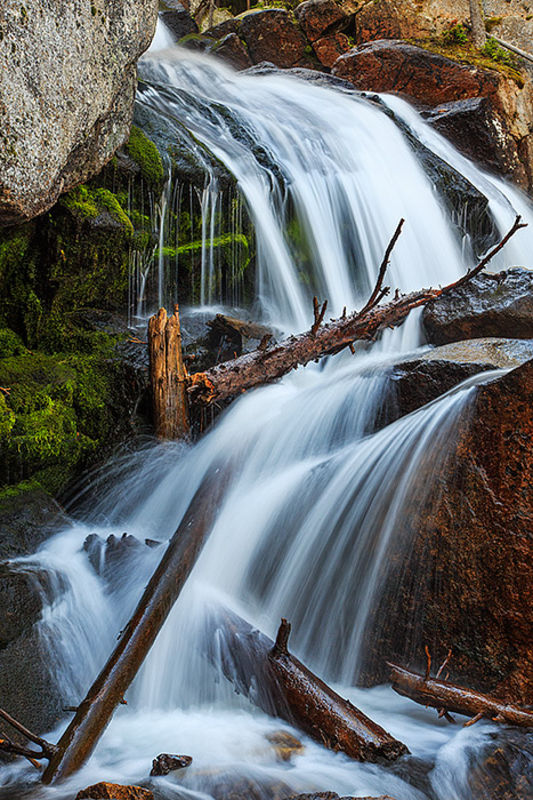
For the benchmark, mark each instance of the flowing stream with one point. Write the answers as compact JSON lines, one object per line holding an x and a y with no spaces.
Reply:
{"x":315,"y":493}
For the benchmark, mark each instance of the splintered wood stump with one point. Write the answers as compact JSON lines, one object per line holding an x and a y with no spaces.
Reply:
{"x":448,"y":697}
{"x":282,"y":686}
{"x":95,"y":711}
{"x":168,"y":376}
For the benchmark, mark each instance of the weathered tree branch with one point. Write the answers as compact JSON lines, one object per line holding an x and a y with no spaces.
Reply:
{"x":448,"y":697}
{"x":266,"y":365}
{"x":281,"y":685}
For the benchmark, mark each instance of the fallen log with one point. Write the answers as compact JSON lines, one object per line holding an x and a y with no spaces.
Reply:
{"x":268,"y":363}
{"x":162,"y":591}
{"x":277,"y":682}
{"x":168,"y":376}
{"x":250,"y":330}
{"x":449,"y":698}
{"x":95,"y":711}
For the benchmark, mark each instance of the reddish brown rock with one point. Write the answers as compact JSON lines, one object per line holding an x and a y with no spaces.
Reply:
{"x":320,"y":17}
{"x":462,"y":573}
{"x":114,"y":791}
{"x":232,"y":50}
{"x":271,"y":36}
{"x":330,"y":48}
{"x":414,"y":73}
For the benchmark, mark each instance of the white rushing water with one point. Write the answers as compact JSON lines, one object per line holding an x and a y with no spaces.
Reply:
{"x":316,"y":496}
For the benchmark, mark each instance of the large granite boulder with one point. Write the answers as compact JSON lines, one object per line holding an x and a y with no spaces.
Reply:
{"x":489,"y":305}
{"x":67,"y":86}
{"x":460,"y":571}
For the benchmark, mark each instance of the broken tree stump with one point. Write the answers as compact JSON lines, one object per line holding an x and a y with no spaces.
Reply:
{"x":448,"y":697}
{"x":282,"y":686}
{"x":96,"y":710}
{"x":168,"y":376}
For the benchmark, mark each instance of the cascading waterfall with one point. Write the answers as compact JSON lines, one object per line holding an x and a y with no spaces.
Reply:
{"x":316,"y":491}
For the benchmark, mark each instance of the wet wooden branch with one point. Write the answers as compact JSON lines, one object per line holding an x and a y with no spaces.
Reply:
{"x":270,"y":363}
{"x":282,"y":686}
{"x":450,"y":698}
{"x":47,"y":750}
{"x":168,"y":376}
{"x":96,"y":710}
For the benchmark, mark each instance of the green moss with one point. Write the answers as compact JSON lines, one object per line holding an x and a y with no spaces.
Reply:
{"x":81,"y":203}
{"x":106,"y":199}
{"x":146,"y":155}
{"x":10,"y":343}
{"x":226,"y":242}
{"x":493,"y":50}
{"x":468,"y":54}
{"x":457,"y":34}
{"x":56,"y":416}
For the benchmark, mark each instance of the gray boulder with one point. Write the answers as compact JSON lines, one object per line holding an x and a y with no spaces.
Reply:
{"x":67,"y":86}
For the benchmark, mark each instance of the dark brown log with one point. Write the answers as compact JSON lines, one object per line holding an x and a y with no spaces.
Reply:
{"x":282,"y":686}
{"x":168,"y":376}
{"x":96,"y":710}
{"x":250,"y":330}
{"x":449,"y":697}
{"x":269,"y":363}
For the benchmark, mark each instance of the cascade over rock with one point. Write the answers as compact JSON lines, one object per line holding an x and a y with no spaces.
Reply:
{"x":466,"y":581}
{"x":67,"y":85}
{"x":430,"y":79}
{"x":419,"y":381}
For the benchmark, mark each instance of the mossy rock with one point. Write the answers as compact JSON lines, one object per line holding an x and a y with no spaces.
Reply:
{"x":146,"y":155}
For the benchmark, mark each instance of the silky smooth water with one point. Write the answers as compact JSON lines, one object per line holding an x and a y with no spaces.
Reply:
{"x":315,"y":493}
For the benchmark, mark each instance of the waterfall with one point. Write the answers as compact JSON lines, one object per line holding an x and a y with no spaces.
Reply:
{"x":317,"y":493}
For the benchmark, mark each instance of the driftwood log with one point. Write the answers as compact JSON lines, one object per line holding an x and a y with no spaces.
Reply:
{"x":269,"y":363}
{"x":277,"y":682}
{"x":168,"y":375}
{"x":94,"y":713}
{"x":449,"y":698}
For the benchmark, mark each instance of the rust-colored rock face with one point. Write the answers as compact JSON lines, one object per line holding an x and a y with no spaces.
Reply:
{"x":414,"y":73}
{"x":271,"y":36}
{"x":329,"y":48}
{"x":114,"y":791}
{"x":320,"y":17}
{"x":466,"y":581}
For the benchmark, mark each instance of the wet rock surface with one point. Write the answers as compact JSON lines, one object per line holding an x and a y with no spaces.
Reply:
{"x":477,"y":132}
{"x":177,"y":19}
{"x":505,"y":770}
{"x":271,"y":36}
{"x":467,"y":582}
{"x":319,"y":17}
{"x":417,"y":74}
{"x":415,"y":383}
{"x":26,"y":521}
{"x":114,"y":791}
{"x":66,"y":94}
{"x":232,"y":50}
{"x":165,"y":763}
{"x":490,"y":305}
